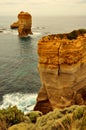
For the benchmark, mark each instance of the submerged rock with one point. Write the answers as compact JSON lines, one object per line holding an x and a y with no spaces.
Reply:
{"x":62,"y":68}
{"x":2,"y":30}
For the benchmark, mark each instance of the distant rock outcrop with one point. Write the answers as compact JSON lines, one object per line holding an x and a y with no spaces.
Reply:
{"x":23,"y":24}
{"x":62,"y":68}
{"x":14,"y":25}
{"x":1,"y":31}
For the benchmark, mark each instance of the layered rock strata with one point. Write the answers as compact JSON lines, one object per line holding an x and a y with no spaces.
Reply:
{"x":23,"y":24}
{"x":62,"y":68}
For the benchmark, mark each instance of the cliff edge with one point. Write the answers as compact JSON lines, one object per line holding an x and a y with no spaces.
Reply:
{"x":62,"y":68}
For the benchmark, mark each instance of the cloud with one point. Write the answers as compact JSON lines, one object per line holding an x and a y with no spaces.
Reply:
{"x":44,"y":7}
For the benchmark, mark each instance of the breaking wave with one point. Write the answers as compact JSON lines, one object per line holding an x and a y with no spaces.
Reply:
{"x":24,"y":102}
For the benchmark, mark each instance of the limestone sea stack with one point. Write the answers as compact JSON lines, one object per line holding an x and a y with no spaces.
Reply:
{"x":62,"y":68}
{"x":23,"y":24}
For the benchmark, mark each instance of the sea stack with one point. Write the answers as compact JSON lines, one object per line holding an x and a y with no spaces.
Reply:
{"x":23,"y":24}
{"x":62,"y":68}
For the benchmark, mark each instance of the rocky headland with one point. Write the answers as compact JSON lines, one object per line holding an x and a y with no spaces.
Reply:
{"x":23,"y":24}
{"x":62,"y":68}
{"x":61,"y":101}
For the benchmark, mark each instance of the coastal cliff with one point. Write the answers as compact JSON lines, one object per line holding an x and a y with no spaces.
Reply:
{"x":62,"y":96}
{"x":62,"y":68}
{"x":23,"y":24}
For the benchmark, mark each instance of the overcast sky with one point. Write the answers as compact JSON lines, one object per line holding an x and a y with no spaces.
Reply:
{"x":43,"y":7}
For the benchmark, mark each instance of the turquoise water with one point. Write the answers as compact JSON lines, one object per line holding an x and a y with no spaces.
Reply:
{"x":18,"y":64}
{"x":19,"y":77}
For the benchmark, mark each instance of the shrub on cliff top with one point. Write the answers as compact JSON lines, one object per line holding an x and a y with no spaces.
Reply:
{"x":78,"y":113}
{"x":33,"y":115}
{"x":70,"y":118}
{"x":11,"y":116}
{"x":74,"y":34}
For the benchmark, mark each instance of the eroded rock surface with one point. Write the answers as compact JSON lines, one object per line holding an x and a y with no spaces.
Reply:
{"x":62,"y":68}
{"x":23,"y":24}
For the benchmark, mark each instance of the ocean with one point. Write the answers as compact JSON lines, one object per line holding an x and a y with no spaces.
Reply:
{"x":19,"y":76}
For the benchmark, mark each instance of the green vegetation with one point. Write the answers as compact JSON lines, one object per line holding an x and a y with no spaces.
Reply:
{"x":83,"y":125}
{"x":74,"y":34}
{"x":70,"y":118}
{"x":34,"y":115}
{"x":10,"y":116}
{"x":78,"y":113}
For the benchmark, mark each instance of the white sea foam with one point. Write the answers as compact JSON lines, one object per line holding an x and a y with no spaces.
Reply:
{"x":6,"y":31}
{"x":24,"y":102}
{"x":14,"y":32}
{"x":36,"y":33}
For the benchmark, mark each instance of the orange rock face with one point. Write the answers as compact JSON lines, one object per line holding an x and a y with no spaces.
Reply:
{"x":14,"y":25}
{"x":62,"y":68}
{"x":23,"y":24}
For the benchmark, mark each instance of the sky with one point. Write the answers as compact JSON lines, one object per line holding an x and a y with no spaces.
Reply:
{"x":43,"y":7}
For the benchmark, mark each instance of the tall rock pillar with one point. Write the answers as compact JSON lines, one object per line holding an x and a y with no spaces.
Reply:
{"x":25,"y":23}
{"x":62,"y":68}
